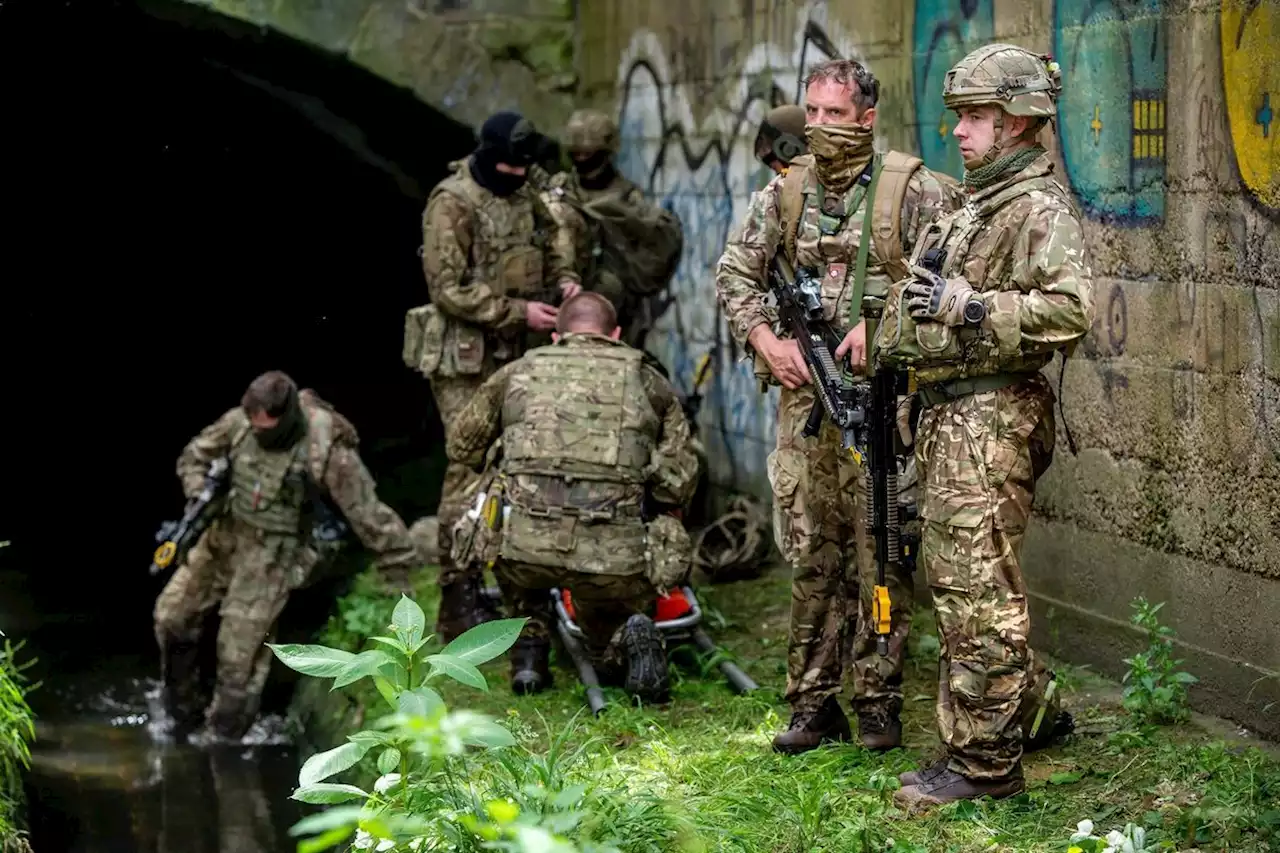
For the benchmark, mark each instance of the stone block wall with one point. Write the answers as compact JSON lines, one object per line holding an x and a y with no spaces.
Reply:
{"x":1167,"y":137}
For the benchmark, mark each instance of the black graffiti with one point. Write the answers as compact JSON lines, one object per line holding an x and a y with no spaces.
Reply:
{"x":1117,"y":320}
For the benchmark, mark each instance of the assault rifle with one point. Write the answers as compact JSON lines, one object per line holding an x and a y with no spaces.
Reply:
{"x":175,"y":538}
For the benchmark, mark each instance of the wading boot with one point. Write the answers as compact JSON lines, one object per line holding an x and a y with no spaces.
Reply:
{"x":530,"y":666}
{"x":948,"y":786}
{"x":460,"y":608}
{"x":879,"y":725}
{"x":646,"y":654}
{"x":810,"y":729}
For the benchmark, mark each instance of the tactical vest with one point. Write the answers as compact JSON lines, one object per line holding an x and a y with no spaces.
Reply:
{"x":941,"y":353}
{"x":580,"y":413}
{"x":269,"y":488}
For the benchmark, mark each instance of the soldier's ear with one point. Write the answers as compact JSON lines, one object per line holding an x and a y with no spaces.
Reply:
{"x":616,"y":333}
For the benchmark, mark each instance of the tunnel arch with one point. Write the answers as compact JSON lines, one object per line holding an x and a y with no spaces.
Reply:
{"x":189,"y":206}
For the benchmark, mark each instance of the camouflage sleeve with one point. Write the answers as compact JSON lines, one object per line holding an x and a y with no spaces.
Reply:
{"x":377,"y":526}
{"x":928,"y":198}
{"x":446,"y":253}
{"x":479,"y":424}
{"x":1053,"y":303}
{"x":673,"y":468}
{"x":568,"y":232}
{"x":742,"y":272}
{"x":213,"y":441}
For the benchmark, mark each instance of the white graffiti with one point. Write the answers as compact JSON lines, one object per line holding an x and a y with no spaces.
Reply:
{"x":705,"y":171}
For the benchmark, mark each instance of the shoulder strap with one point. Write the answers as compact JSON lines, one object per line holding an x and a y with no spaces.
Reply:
{"x":887,"y":229}
{"x":791,"y":206}
{"x":320,"y":441}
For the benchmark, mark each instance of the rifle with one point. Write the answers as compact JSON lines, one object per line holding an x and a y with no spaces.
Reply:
{"x":693,"y":403}
{"x":175,"y":538}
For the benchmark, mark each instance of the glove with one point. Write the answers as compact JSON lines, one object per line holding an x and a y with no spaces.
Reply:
{"x":932,"y":297}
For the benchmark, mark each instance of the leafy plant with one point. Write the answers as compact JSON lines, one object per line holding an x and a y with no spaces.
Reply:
{"x":426,"y":797}
{"x":17,"y":730}
{"x":1155,"y":689}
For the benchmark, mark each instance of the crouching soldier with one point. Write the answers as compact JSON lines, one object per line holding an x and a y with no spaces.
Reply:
{"x":596,"y":454}
{"x":293,"y":461}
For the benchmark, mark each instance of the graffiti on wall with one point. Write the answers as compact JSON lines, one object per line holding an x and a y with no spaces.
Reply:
{"x":1112,"y":111}
{"x":1250,"y":33}
{"x":696,"y":158}
{"x":945,"y":30}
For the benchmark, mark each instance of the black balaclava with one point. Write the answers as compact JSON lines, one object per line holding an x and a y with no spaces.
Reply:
{"x":505,"y":137}
{"x":288,"y":431}
{"x":596,"y":171}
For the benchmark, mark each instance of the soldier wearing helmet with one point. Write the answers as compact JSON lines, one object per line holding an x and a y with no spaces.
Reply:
{"x":781,"y":137}
{"x":850,"y":215}
{"x":996,"y":288}
{"x":627,"y":248}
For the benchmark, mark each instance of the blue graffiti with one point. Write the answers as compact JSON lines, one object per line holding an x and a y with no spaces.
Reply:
{"x":945,"y":31}
{"x":1112,"y":112}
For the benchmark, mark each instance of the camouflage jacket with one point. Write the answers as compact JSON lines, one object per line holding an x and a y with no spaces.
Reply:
{"x":671,"y":473}
{"x":485,"y":256}
{"x":742,"y":272}
{"x":335,"y":466}
{"x":1019,"y":243}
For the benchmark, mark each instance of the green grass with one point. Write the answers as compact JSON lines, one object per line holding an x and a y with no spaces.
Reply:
{"x":17,"y":729}
{"x":698,"y":774}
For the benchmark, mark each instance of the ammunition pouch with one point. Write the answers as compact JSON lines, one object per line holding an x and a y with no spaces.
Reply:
{"x":438,"y":345}
{"x":901,"y":341}
{"x":477,"y":535}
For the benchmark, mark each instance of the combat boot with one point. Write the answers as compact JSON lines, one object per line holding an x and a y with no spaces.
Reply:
{"x":460,"y":608}
{"x":880,"y":725}
{"x":530,"y":666}
{"x":646,"y":657}
{"x":948,"y":786}
{"x":809,"y":729}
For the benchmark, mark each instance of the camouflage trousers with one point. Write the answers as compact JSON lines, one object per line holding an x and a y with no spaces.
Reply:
{"x":458,"y":491}
{"x":820,"y":527}
{"x":979,"y":458}
{"x":248,"y":576}
{"x":601,"y":604}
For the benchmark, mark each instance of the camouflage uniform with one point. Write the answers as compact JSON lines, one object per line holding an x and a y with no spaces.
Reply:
{"x":590,"y":436}
{"x":253,"y":556}
{"x":1016,"y":249}
{"x":626,"y":247}
{"x":485,"y":256}
{"x":819,"y":520}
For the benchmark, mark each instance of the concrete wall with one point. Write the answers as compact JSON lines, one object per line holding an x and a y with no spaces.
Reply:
{"x":1167,"y":136}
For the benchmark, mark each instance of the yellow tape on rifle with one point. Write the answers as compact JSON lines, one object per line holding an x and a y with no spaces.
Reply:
{"x":165,"y":554}
{"x":880,"y":609}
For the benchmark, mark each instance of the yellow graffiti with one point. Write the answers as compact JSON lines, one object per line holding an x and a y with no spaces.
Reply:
{"x":942,"y":127}
{"x":1251,"y":80}
{"x":1096,"y":124}
{"x":1148,"y":129}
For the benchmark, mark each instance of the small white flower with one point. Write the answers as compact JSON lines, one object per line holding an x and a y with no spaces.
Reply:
{"x":363,"y":840}
{"x":385,"y":844}
{"x":386,"y":783}
{"x":1117,"y":843}
{"x":1084,"y":829}
{"x":415,"y":843}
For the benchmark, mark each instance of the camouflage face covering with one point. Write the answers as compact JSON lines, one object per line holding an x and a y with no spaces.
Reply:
{"x":288,"y":429}
{"x":840,"y":153}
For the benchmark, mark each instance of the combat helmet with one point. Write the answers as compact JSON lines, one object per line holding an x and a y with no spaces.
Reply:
{"x":781,"y":135}
{"x":1018,"y":81}
{"x":590,"y":131}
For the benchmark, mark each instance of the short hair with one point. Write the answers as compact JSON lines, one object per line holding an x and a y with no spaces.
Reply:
{"x":274,"y":393}
{"x":850,"y":73}
{"x":587,"y":312}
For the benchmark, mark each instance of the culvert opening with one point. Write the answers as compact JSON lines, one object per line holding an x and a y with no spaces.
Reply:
{"x":190,"y":201}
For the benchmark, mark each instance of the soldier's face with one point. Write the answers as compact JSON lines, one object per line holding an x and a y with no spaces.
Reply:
{"x":828,"y":102}
{"x":976,"y":130}
{"x":261,"y":420}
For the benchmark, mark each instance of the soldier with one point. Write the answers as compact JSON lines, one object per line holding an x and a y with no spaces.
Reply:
{"x":489,"y":244}
{"x":596,"y":456}
{"x":781,"y":137}
{"x":996,"y":288}
{"x":626,"y":246}
{"x":840,"y":198}
{"x":289,"y":452}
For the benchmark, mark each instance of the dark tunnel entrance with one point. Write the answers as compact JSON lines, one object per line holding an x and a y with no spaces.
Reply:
{"x":190,"y":202}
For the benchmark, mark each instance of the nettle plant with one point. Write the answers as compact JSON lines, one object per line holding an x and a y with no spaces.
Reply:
{"x":427,"y":796}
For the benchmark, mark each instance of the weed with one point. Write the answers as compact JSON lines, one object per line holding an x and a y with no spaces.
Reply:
{"x":1155,"y":690}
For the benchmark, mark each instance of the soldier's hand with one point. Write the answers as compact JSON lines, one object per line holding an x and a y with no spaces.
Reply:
{"x":787,"y":363}
{"x":932,"y":297}
{"x":855,"y":344}
{"x":540,"y":316}
{"x":569,"y":288}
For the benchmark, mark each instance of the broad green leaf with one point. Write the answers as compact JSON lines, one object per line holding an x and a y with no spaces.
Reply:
{"x":387,"y":689}
{"x":569,"y":796}
{"x":327,"y":793}
{"x":1066,"y":777}
{"x":487,"y":733}
{"x":317,"y":843}
{"x":408,"y":621}
{"x":327,"y":819}
{"x":370,"y":739}
{"x":361,"y":666}
{"x":318,"y":661}
{"x":393,"y":643}
{"x":323,"y":765}
{"x":457,"y":669}
{"x":389,"y":760}
{"x":485,"y":641}
{"x":420,"y":702}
